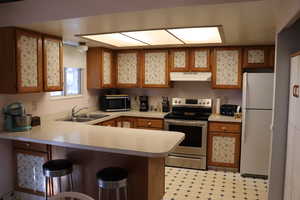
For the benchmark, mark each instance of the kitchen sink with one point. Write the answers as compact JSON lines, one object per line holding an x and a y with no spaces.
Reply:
{"x":85,"y":118}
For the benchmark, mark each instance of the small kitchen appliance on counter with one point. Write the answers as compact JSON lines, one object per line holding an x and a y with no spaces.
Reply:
{"x":15,"y":118}
{"x":115,"y":102}
{"x":229,"y":109}
{"x":165,"y":104}
{"x":189,"y":116}
{"x":144,"y":104}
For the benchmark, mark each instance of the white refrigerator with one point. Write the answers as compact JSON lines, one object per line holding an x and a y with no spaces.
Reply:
{"x":257,"y":119}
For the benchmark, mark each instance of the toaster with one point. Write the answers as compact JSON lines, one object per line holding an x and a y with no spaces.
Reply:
{"x":228,"y":109}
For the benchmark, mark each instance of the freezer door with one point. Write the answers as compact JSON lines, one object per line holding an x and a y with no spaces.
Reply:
{"x":258,"y":90}
{"x":256,"y":136}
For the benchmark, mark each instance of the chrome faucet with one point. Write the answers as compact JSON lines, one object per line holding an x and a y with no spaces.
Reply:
{"x":74,"y":112}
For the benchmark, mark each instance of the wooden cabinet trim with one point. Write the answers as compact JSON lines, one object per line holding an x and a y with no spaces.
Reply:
{"x":137,"y":84}
{"x":167,"y":74}
{"x":21,"y":89}
{"x":214,"y":69}
{"x":192,"y":60}
{"x":61,"y":67}
{"x":236,"y":163}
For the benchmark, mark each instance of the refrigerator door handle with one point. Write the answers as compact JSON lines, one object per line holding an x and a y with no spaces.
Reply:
{"x":244,"y":127}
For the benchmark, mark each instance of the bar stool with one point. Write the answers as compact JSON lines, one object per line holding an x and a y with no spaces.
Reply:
{"x":57,"y":169}
{"x":112,"y":178}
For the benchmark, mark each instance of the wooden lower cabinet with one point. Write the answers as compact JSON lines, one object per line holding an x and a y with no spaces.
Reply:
{"x":135,"y":122}
{"x":224,"y":146}
{"x":29,"y":159}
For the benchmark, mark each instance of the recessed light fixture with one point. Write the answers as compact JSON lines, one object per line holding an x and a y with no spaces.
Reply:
{"x":171,"y":36}
{"x":154,"y":37}
{"x":199,"y":35}
{"x":115,"y":39}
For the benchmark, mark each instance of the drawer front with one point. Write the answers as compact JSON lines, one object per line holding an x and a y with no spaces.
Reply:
{"x":224,"y":127}
{"x":149,"y":123}
{"x":30,"y":146}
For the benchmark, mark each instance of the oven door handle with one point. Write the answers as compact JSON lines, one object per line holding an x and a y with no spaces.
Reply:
{"x":188,"y":123}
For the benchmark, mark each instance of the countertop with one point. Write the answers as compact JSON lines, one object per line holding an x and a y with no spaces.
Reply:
{"x":139,"y":142}
{"x":222,"y":118}
{"x":113,"y":115}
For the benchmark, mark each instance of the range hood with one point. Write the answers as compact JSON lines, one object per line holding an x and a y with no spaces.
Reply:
{"x":190,"y":76}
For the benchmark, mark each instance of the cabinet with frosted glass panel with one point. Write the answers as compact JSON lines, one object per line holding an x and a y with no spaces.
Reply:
{"x":100,"y":68}
{"x":227,"y":68}
{"x":29,"y":159}
{"x":259,"y":57}
{"x":22,"y":53}
{"x":155,"y":69}
{"x":127,"y":68}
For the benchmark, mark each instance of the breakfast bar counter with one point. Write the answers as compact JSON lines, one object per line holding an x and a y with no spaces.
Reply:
{"x":91,"y":148}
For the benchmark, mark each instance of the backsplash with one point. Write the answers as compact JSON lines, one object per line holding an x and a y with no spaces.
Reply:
{"x":185,"y":90}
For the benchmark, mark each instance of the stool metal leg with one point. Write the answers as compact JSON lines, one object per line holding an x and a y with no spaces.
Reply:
{"x":59,"y":184}
{"x":71,"y":182}
{"x":118,"y":193}
{"x":46,"y":188}
{"x":100,"y":194}
{"x":125,"y":192}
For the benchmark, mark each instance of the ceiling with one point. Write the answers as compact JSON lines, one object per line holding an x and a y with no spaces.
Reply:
{"x":244,"y":23}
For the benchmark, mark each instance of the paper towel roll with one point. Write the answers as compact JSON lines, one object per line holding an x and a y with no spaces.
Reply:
{"x":218,"y":106}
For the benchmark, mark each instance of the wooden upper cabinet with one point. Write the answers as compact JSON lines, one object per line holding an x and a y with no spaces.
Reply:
{"x":226,"y":68}
{"x":29,"y":61}
{"x":257,"y":57}
{"x":53,"y":63}
{"x":200,"y":60}
{"x":127,"y":69}
{"x":21,"y":60}
{"x":155,"y":71}
{"x":179,"y":60}
{"x":272,"y":56}
{"x":100,"y":68}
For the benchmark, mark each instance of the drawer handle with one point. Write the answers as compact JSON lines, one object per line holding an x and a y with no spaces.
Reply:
{"x":27,"y":144}
{"x":149,"y":123}
{"x":224,"y":128}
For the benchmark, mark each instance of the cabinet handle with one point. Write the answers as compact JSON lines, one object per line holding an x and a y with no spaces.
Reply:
{"x":27,"y":144}
{"x":149,"y":123}
{"x":296,"y":91}
{"x":223,"y":128}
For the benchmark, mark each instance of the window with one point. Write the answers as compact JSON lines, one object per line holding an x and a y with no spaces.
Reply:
{"x":72,"y":83}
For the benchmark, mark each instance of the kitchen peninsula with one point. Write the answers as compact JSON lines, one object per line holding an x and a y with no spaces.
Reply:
{"x":91,"y":148}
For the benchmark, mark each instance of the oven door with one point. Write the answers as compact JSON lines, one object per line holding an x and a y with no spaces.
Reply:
{"x":195,"y":136}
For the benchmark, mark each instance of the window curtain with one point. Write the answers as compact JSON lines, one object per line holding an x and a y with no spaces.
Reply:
{"x":73,"y":57}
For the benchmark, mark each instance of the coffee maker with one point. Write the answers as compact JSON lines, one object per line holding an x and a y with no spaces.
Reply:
{"x":144,"y":104}
{"x":15,"y":118}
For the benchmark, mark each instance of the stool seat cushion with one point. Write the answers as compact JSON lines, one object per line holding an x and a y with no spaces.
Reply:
{"x":57,"y":165}
{"x":112,"y":174}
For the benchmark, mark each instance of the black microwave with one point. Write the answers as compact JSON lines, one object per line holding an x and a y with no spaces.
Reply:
{"x":114,"y":103}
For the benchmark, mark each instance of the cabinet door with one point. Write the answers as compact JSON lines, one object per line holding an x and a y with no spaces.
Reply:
{"x":227,"y":68}
{"x":53,"y":64}
{"x":107,"y":75}
{"x":200,"y":60}
{"x":127,"y":69}
{"x":111,"y":123}
{"x":125,"y":122}
{"x":224,"y":149}
{"x":272,"y":57}
{"x":155,"y":69}
{"x":29,"y":171}
{"x":29,"y":61}
{"x":179,"y":60}
{"x":255,"y":57}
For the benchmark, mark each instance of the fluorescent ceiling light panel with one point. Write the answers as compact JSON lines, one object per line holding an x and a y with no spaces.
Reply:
{"x":115,"y":39}
{"x":154,"y":37}
{"x":200,"y":35}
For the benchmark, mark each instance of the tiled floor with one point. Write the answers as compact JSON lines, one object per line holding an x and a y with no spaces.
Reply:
{"x":188,"y":184}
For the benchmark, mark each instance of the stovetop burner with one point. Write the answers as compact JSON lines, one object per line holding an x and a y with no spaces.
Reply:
{"x":190,"y":109}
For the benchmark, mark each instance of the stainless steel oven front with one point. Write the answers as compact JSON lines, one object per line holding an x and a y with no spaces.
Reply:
{"x":191,"y":152}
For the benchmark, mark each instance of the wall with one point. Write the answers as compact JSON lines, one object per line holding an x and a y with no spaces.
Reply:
{"x":288,"y":42}
{"x":189,"y":90}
